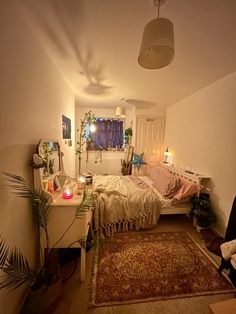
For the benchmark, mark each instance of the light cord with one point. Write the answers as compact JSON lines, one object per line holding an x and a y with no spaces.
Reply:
{"x":158,"y":8}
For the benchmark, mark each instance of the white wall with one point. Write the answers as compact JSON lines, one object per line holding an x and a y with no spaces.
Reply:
{"x":155,"y":111}
{"x":201,"y":133}
{"x":33,"y":98}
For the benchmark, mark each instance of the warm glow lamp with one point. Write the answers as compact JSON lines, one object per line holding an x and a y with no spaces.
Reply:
{"x":167,"y":154}
{"x":92,"y":128}
{"x":157,"y":46}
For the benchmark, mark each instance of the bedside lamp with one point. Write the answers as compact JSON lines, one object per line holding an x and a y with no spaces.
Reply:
{"x":167,"y":154}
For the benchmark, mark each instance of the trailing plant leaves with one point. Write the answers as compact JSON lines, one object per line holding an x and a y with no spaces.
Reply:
{"x":87,"y":202}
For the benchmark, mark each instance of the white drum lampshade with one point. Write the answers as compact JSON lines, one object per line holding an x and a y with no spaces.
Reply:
{"x":157,"y":46}
{"x":120,"y":112}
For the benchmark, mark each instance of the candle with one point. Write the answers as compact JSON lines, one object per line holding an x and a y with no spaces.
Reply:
{"x":50,"y":186}
{"x":67,"y":192}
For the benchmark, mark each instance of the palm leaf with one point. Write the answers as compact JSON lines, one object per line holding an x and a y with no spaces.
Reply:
{"x":87,"y":202}
{"x":15,"y":267}
{"x":41,"y":210}
{"x":38,"y":200}
{"x":4,"y":251}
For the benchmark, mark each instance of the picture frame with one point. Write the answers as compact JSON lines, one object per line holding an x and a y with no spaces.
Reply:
{"x":66,"y":127}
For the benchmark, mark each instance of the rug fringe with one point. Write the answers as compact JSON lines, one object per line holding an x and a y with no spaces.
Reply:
{"x":149,"y":219}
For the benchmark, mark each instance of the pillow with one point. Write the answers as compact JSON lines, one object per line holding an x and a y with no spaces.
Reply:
{"x":166,"y":183}
{"x":187,"y":189}
{"x":154,"y":172}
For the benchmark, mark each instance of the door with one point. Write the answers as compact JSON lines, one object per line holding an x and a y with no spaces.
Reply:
{"x":150,"y":137}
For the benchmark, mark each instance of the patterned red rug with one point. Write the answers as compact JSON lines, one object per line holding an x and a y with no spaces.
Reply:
{"x":136,"y":267}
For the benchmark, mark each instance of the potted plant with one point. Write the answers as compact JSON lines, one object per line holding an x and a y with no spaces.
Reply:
{"x":127,"y":136}
{"x":201,"y":211}
{"x":14,"y":265}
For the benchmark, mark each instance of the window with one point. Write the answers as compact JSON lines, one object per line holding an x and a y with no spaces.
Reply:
{"x":108,"y":133}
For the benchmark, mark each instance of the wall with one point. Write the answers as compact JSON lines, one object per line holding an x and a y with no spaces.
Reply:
{"x":32,"y":99}
{"x":200,"y":131}
{"x":111,"y":161}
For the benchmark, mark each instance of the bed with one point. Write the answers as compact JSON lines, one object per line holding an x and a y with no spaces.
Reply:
{"x":136,"y":202}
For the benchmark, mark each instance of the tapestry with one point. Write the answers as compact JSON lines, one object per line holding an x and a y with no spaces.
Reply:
{"x":139,"y":267}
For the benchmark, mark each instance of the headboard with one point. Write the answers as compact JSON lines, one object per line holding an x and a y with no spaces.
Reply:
{"x":195,"y":177}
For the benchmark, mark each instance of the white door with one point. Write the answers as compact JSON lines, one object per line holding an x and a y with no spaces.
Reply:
{"x":150,"y":137}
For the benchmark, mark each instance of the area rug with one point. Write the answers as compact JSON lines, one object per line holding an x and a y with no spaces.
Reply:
{"x":138,"y":267}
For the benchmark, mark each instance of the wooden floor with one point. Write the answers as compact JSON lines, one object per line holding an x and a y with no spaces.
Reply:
{"x":74,"y":297}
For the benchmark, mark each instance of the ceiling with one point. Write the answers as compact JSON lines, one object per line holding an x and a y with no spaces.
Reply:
{"x":95,"y":46}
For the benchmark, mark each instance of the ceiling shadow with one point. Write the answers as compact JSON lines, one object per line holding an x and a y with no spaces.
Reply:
{"x":140,"y":104}
{"x":59,"y":20}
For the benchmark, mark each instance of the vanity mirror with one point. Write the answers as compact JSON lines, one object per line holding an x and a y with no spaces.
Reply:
{"x":49,"y":151}
{"x":48,"y":167}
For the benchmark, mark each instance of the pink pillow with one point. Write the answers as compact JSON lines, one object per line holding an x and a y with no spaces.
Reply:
{"x":187,"y":189}
{"x":154,"y":171}
{"x":166,"y":183}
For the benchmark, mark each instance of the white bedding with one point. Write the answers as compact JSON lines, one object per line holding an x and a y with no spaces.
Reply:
{"x":123,"y":206}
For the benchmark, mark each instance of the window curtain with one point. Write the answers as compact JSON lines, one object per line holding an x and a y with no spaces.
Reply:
{"x":109,"y":133}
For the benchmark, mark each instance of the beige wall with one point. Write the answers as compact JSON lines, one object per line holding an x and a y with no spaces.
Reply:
{"x":33,"y":98}
{"x":201,"y":133}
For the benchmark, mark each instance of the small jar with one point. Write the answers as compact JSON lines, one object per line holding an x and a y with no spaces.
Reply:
{"x":51,"y":186}
{"x":81,"y":182}
{"x":67,"y":192}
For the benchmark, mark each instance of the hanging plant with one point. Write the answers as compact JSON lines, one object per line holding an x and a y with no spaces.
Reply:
{"x":89,"y":118}
{"x":128,"y":134}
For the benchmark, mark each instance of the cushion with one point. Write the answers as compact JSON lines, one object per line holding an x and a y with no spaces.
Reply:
{"x":228,"y":249}
{"x":187,"y":189}
{"x":233,"y":260}
{"x":165,"y":182}
{"x":154,"y":172}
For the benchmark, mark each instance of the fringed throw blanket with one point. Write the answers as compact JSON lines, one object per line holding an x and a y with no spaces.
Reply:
{"x":124,"y":204}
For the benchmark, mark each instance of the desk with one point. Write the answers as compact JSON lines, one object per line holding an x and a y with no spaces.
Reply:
{"x":48,"y":164}
{"x":62,"y":215}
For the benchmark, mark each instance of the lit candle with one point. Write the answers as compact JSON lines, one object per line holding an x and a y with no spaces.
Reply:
{"x":67,"y":192}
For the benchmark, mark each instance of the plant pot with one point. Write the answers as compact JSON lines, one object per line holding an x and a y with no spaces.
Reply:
{"x":199,"y":228}
{"x":43,"y":300}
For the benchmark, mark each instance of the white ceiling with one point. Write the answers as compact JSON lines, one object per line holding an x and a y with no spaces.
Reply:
{"x":95,"y":44}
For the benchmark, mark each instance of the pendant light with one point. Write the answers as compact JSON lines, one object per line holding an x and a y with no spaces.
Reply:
{"x":157,"y":46}
{"x":120,"y":112}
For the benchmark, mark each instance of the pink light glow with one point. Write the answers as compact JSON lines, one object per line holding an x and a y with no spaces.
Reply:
{"x":67,"y":193}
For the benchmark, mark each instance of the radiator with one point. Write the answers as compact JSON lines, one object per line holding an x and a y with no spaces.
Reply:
{"x":108,"y":162}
